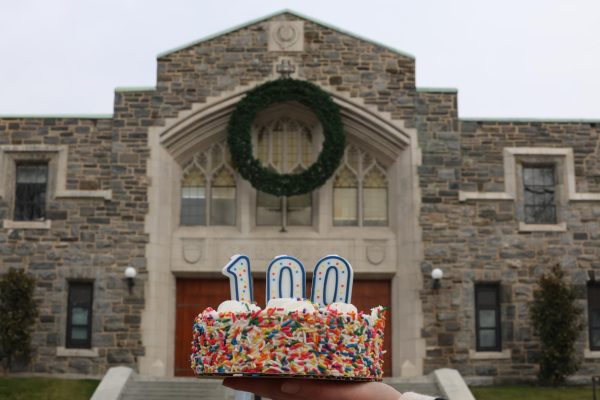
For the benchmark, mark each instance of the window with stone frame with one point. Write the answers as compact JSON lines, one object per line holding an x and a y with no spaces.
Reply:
{"x":539,"y":194}
{"x":284,"y":145}
{"x":487,"y":317}
{"x":593,"y":295}
{"x":31,"y":187}
{"x":360,"y":191}
{"x":208,"y":189}
{"x":79,"y":315}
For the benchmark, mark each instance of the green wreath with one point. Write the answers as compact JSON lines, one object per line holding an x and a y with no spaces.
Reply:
{"x":239,"y":138}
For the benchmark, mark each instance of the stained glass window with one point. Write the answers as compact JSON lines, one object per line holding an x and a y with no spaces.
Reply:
{"x":284,"y":145}
{"x":208,"y":189}
{"x":360,"y":194}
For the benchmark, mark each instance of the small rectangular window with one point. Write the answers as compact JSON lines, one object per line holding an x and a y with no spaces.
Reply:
{"x":487,"y":317}
{"x":79,"y":315}
{"x":539,"y":194}
{"x":30,"y":191}
{"x":594,"y":315}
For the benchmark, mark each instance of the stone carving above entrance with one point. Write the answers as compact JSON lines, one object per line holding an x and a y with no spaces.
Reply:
{"x":192,"y":250}
{"x":376,"y":251}
{"x":286,"y":36}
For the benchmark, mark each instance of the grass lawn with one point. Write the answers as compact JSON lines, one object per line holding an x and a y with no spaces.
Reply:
{"x":523,"y":392}
{"x":46,"y":389}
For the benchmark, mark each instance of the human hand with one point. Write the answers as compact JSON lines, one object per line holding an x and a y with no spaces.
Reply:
{"x":313,"y":389}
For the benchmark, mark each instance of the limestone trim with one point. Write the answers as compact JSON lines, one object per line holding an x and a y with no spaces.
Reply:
{"x":587,"y":353}
{"x":386,"y":138}
{"x":510,"y":175}
{"x":10,"y":224}
{"x":86,"y":353}
{"x":199,"y":125}
{"x":505,"y":354}
{"x":8,"y":154}
{"x":560,"y":227}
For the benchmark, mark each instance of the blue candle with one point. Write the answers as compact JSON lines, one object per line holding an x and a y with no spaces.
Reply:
{"x":286,"y":277}
{"x":332,"y":281}
{"x":240,"y":278}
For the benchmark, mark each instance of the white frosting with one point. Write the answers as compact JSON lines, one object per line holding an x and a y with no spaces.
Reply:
{"x":235,"y":306}
{"x":375,"y":315}
{"x":342,"y":308}
{"x":289,"y":304}
{"x":301,"y":305}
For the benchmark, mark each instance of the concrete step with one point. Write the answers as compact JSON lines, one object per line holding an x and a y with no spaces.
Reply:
{"x":141,"y":388}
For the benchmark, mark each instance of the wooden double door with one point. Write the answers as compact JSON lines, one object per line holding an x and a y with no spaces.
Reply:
{"x":194,"y":295}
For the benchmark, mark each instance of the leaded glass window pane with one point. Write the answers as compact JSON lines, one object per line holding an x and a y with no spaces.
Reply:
{"x":299,"y":210}
{"x":286,"y":146}
{"x":539,"y":194}
{"x":30,"y":193}
{"x":268,"y":209}
{"x":193,"y":198}
{"x":375,"y":205}
{"x":345,"y":198}
{"x":223,"y":206}
{"x":222,"y":210}
{"x":345,"y":206}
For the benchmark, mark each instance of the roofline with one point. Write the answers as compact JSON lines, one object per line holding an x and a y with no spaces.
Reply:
{"x":284,"y":11}
{"x":527,"y":120}
{"x":436,"y":90}
{"x":57,"y":116}
{"x":135,"y":88}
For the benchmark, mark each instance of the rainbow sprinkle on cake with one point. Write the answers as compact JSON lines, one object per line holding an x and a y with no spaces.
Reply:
{"x":306,"y":342}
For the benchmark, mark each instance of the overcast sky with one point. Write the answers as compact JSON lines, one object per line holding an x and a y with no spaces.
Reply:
{"x":509,"y":58}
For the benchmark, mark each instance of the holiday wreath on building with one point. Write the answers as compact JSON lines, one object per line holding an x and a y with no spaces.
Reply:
{"x":239,"y":137}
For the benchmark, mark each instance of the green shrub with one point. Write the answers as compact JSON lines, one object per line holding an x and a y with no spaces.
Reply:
{"x":558,"y":321}
{"x":18,"y":312}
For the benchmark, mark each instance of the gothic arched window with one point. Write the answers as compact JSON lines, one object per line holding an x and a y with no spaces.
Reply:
{"x":360,"y":194}
{"x":284,"y":145}
{"x":209,"y":176}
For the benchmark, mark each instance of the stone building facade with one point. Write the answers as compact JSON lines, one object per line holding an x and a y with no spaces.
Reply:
{"x":455,"y":201}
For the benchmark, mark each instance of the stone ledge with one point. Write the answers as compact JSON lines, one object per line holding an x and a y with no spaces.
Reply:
{"x":490,"y":355}
{"x":452,"y":384}
{"x":89,"y":353}
{"x":11,"y":224}
{"x":113,"y":384}
{"x":587,"y":353}
{"x":560,"y":227}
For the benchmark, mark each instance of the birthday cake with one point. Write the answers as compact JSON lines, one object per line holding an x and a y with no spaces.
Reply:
{"x":324,"y":337}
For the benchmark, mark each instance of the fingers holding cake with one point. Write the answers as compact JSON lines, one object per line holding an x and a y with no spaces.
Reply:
{"x":301,"y":389}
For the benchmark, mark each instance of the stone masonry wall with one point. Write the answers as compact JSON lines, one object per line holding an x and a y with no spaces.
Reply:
{"x":489,"y":247}
{"x":89,"y":240}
